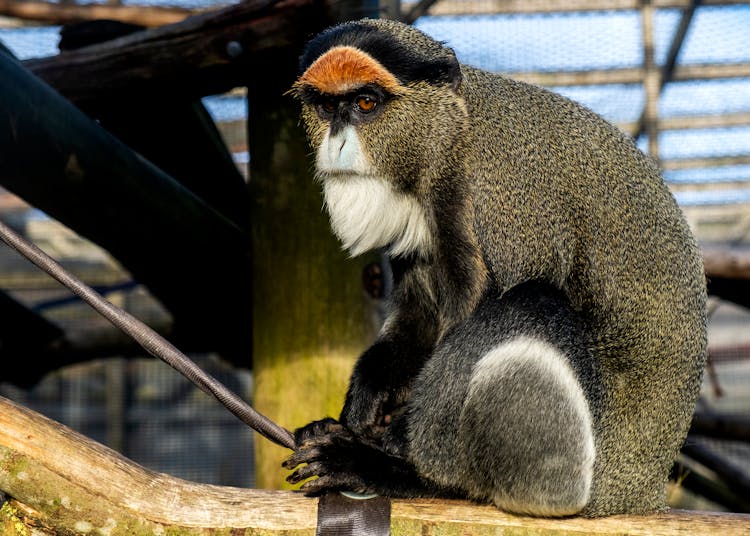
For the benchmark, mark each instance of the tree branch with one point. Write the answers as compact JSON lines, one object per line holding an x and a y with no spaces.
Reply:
{"x":55,"y":13}
{"x":62,"y":482}
{"x":205,"y":54}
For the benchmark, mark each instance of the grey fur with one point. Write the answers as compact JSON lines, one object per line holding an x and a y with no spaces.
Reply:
{"x":517,"y":440}
{"x":597,"y":220}
{"x":524,"y":187}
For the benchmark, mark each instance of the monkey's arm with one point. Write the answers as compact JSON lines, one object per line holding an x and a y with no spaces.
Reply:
{"x":383,"y":375}
{"x":367,"y":451}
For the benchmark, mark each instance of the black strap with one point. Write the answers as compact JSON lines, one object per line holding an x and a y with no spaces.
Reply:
{"x":343,"y":516}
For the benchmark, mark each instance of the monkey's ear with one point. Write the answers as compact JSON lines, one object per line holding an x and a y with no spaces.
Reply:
{"x":452,"y":72}
{"x":458,"y":78}
{"x":302,"y":92}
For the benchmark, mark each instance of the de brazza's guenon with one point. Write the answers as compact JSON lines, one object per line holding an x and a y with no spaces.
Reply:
{"x":546,"y":337}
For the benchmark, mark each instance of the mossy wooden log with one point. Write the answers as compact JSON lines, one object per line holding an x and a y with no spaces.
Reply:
{"x":60,"y":482}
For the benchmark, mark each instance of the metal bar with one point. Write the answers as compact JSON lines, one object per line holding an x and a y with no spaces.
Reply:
{"x":667,"y":70}
{"x":651,"y":80}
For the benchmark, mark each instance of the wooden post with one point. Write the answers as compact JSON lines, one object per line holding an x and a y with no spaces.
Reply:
{"x":311,"y":316}
{"x":667,"y":70}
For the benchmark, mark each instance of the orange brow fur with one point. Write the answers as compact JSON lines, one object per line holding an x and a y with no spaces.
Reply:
{"x":343,"y":69}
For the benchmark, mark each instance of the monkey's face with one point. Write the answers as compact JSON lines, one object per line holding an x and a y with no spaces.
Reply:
{"x":380,"y":144}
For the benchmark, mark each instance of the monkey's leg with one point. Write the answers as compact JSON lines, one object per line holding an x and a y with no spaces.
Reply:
{"x":499,"y":412}
{"x":527,"y":430}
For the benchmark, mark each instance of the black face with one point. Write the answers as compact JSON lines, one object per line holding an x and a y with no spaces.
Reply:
{"x":354,"y":108}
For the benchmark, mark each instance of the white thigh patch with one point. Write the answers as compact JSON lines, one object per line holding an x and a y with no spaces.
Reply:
{"x":525,"y":364}
{"x":523,"y":349}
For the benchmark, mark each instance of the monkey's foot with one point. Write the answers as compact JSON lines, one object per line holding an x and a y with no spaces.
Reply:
{"x":343,"y":462}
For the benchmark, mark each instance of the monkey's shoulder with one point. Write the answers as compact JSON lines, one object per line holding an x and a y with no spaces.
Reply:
{"x":493,"y":96}
{"x":530,"y":133}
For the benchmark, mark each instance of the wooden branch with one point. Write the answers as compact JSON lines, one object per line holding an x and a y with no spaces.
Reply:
{"x":491,"y":7}
{"x":686,"y":122}
{"x":735,"y":119}
{"x":54,"y":13}
{"x":738,"y":184}
{"x":706,"y":162}
{"x":733,"y":476}
{"x":62,"y":482}
{"x":630,"y":75}
{"x":727,"y":262}
{"x":695,"y":477}
{"x":205,"y":54}
{"x":732,"y":427}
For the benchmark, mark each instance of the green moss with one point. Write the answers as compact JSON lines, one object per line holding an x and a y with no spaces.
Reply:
{"x":13,"y":520}
{"x":13,"y":464}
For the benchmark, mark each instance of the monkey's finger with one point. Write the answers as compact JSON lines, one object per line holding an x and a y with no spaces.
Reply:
{"x":290,"y":463}
{"x":304,"y":455}
{"x":294,"y":478}
{"x":305,"y":472}
{"x":338,"y":437}
{"x":316,"y":429}
{"x":317,"y":442}
{"x":319,"y":486}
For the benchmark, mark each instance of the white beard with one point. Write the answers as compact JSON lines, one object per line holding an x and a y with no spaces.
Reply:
{"x":366,"y":212}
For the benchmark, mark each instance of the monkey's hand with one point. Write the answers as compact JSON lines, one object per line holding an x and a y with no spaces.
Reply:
{"x":377,"y":392}
{"x":343,"y":462}
{"x":367,"y":411}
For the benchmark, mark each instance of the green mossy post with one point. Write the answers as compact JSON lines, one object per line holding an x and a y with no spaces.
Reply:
{"x":311,"y":315}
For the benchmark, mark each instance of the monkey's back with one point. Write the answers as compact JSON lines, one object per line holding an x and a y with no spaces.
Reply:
{"x":561,"y":195}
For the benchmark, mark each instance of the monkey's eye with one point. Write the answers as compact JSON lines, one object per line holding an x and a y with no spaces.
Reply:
{"x":329,"y":105}
{"x":365,"y":103}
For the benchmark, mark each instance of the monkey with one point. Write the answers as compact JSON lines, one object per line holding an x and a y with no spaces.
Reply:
{"x":546,"y":333}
